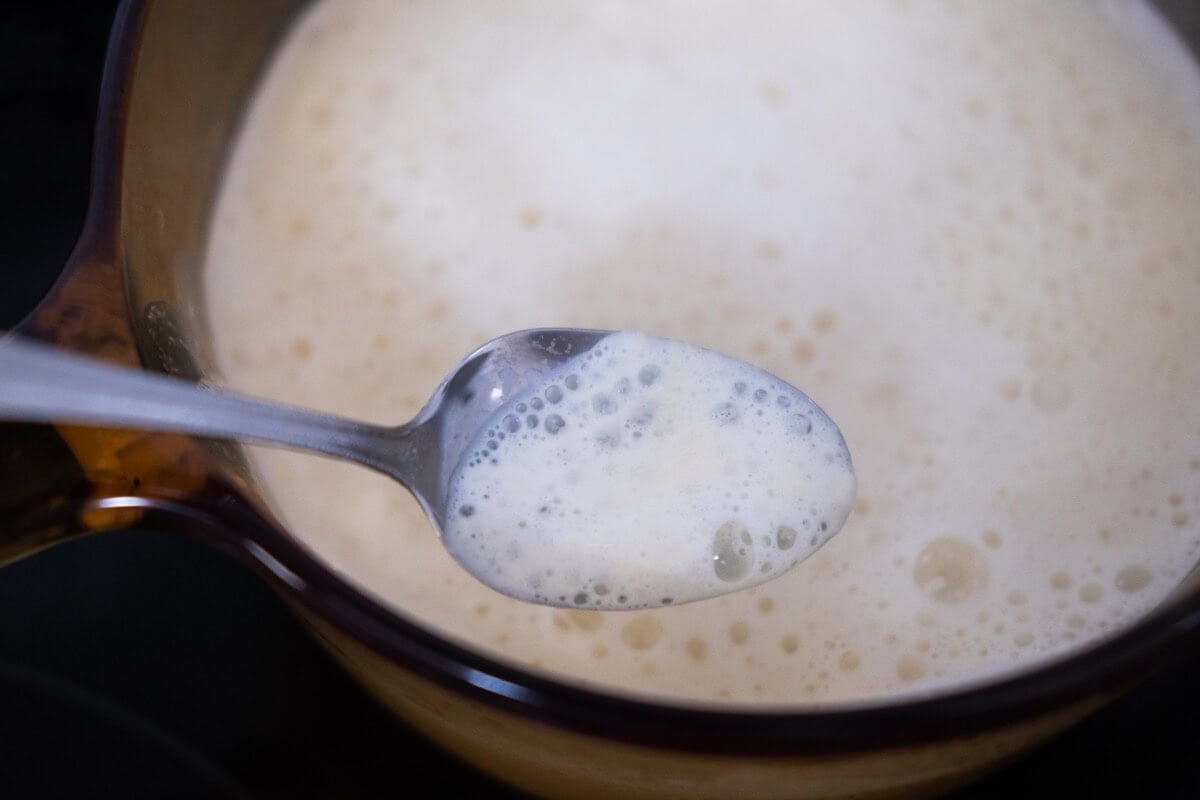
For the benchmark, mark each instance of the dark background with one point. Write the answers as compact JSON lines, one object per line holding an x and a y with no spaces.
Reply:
{"x":141,"y":665}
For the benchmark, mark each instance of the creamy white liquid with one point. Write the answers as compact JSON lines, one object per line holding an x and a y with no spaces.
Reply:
{"x":646,"y":473}
{"x":970,"y":231}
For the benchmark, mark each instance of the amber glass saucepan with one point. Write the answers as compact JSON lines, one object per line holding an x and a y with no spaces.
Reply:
{"x":177,"y":76}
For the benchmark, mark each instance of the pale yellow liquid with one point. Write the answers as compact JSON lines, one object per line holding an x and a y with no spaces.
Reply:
{"x":970,"y":231}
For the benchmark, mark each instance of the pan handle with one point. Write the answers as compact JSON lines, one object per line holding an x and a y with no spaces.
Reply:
{"x":60,"y":481}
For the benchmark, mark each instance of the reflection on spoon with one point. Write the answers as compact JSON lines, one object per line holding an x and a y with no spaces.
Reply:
{"x":566,"y":467}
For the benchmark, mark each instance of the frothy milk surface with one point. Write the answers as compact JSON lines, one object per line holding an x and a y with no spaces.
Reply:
{"x":646,"y":473}
{"x":970,"y":231}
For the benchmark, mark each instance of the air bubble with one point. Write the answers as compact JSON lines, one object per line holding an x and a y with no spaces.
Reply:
{"x":623,"y":386}
{"x":760,"y":395}
{"x":642,"y":631}
{"x":802,"y":424}
{"x":511,"y":423}
{"x":571,"y":382}
{"x":950,"y":570}
{"x":643,"y":415}
{"x":785,"y":537}
{"x":648,"y":374}
{"x":910,"y":668}
{"x":554,"y":423}
{"x":732,"y":553}
{"x":532,"y":420}
{"x":783,"y":401}
{"x":603,"y":404}
{"x":554,"y":394}
{"x":536,"y":404}
{"x":1131,"y":579}
{"x":466,"y":510}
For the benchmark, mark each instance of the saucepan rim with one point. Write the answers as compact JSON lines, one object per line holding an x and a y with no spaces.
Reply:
{"x":1086,"y":676}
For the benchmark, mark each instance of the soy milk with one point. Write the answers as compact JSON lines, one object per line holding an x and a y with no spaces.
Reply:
{"x":971,"y":231}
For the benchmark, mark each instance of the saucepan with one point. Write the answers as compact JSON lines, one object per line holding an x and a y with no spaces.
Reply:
{"x":177,"y":77}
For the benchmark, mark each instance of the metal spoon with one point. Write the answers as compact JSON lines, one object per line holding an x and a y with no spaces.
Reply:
{"x":39,"y":383}
{"x":43,"y":384}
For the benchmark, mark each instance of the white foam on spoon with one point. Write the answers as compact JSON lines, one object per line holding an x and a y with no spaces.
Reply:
{"x":647,"y":472}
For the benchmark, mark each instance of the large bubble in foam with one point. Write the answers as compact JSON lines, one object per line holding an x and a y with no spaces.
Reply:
{"x":645,"y":473}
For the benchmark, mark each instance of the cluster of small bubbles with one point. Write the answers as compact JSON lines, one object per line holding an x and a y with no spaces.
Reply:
{"x":608,"y":438}
{"x":729,"y":412}
{"x":726,"y":414}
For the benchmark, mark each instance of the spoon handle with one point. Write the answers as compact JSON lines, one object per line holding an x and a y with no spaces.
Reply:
{"x":39,"y":383}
